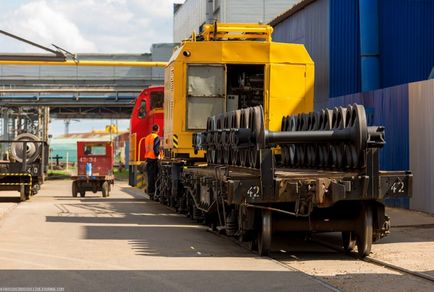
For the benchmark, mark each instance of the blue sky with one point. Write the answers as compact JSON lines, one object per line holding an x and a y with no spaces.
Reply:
{"x":87,"y":26}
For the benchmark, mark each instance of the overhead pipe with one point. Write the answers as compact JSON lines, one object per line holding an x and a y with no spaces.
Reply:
{"x":369,"y":45}
{"x":59,"y":58}
{"x":86,"y":63}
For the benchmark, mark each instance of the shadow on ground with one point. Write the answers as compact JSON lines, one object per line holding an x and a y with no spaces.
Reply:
{"x":72,"y":280}
{"x":10,"y":199}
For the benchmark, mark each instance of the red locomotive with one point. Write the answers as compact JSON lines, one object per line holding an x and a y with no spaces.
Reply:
{"x":148,"y":110}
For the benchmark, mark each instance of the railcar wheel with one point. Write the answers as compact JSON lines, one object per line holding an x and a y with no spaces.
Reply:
{"x":82,"y":194}
{"x":74,"y":189}
{"x":364,"y":235}
{"x":348,"y":241}
{"x":264,"y":234}
{"x":105,"y":189}
{"x":253,"y":245}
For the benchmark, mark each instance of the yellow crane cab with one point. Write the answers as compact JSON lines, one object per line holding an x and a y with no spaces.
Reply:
{"x":229,"y":67}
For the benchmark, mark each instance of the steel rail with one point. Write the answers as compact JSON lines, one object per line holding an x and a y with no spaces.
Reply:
{"x":377,"y":262}
{"x":400,"y":269}
{"x":276,"y":260}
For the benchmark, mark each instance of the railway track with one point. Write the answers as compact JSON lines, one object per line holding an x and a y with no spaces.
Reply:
{"x":275,"y":259}
{"x":376,"y":262}
{"x":334,"y":249}
{"x":339,"y":250}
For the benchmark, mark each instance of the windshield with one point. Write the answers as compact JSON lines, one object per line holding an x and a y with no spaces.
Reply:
{"x":157,"y":99}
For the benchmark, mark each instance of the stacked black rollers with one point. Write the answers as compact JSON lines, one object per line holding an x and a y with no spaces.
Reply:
{"x":219,"y":138}
{"x":331,"y":154}
{"x":329,"y":139}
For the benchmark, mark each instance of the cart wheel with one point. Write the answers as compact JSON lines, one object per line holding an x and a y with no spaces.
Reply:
{"x":364,"y":235}
{"x":264,"y":234}
{"x":82,"y":194}
{"x":348,"y":241}
{"x":74,"y":189}
{"x":110,"y":185}
{"x":22,"y":194}
{"x":105,"y":189}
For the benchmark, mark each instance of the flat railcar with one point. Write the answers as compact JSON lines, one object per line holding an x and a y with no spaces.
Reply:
{"x":246,"y":154}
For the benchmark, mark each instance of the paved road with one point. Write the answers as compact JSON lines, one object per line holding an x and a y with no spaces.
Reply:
{"x":126,"y":243}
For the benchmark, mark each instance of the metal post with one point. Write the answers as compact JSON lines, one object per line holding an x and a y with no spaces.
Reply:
{"x":24,"y":165}
{"x":267,"y":174}
{"x":51,"y":158}
{"x":372,"y":169}
{"x":67,"y":160}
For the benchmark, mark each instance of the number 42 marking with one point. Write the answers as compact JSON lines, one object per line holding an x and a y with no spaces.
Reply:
{"x":398,"y":186}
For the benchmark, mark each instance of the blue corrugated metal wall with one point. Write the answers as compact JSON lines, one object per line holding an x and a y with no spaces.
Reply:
{"x":387,"y":107}
{"x":407,"y":40}
{"x":344,"y":47}
{"x":406,"y":32}
{"x":406,"y":35}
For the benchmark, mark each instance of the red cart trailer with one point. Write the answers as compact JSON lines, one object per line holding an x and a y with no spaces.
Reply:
{"x":94,"y":168}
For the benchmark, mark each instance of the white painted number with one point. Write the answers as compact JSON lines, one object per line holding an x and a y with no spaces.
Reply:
{"x":253,"y":192}
{"x":397,"y":187}
{"x":87,"y":159}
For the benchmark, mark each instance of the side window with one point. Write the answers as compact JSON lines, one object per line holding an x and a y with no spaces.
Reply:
{"x":205,"y":94}
{"x":142,"y":110}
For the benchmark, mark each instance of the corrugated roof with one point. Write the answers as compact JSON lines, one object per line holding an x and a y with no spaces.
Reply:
{"x":294,"y":9}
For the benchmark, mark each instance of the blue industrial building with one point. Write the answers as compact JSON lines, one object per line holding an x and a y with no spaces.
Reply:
{"x":361,"y":45}
{"x":367,"y":51}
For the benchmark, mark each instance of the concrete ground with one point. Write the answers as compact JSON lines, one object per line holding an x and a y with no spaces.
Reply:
{"x":126,"y":243}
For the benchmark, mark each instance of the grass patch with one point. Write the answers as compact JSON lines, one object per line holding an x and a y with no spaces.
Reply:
{"x":121,"y":175}
{"x":63,"y":174}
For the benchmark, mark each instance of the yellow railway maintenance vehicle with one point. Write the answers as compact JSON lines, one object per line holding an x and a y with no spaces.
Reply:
{"x":244,"y":155}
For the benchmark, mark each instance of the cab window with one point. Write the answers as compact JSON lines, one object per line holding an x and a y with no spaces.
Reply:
{"x":157,"y":99}
{"x":205,"y":94}
{"x":95,"y":149}
{"x":142,"y":110}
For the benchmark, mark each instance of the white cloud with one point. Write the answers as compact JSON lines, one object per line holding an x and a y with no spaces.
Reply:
{"x":39,"y":22}
{"x":112,"y":26}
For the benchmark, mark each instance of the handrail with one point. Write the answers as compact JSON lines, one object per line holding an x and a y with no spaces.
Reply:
{"x":133,"y":139}
{"x":237,"y":31}
{"x":139,"y":148}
